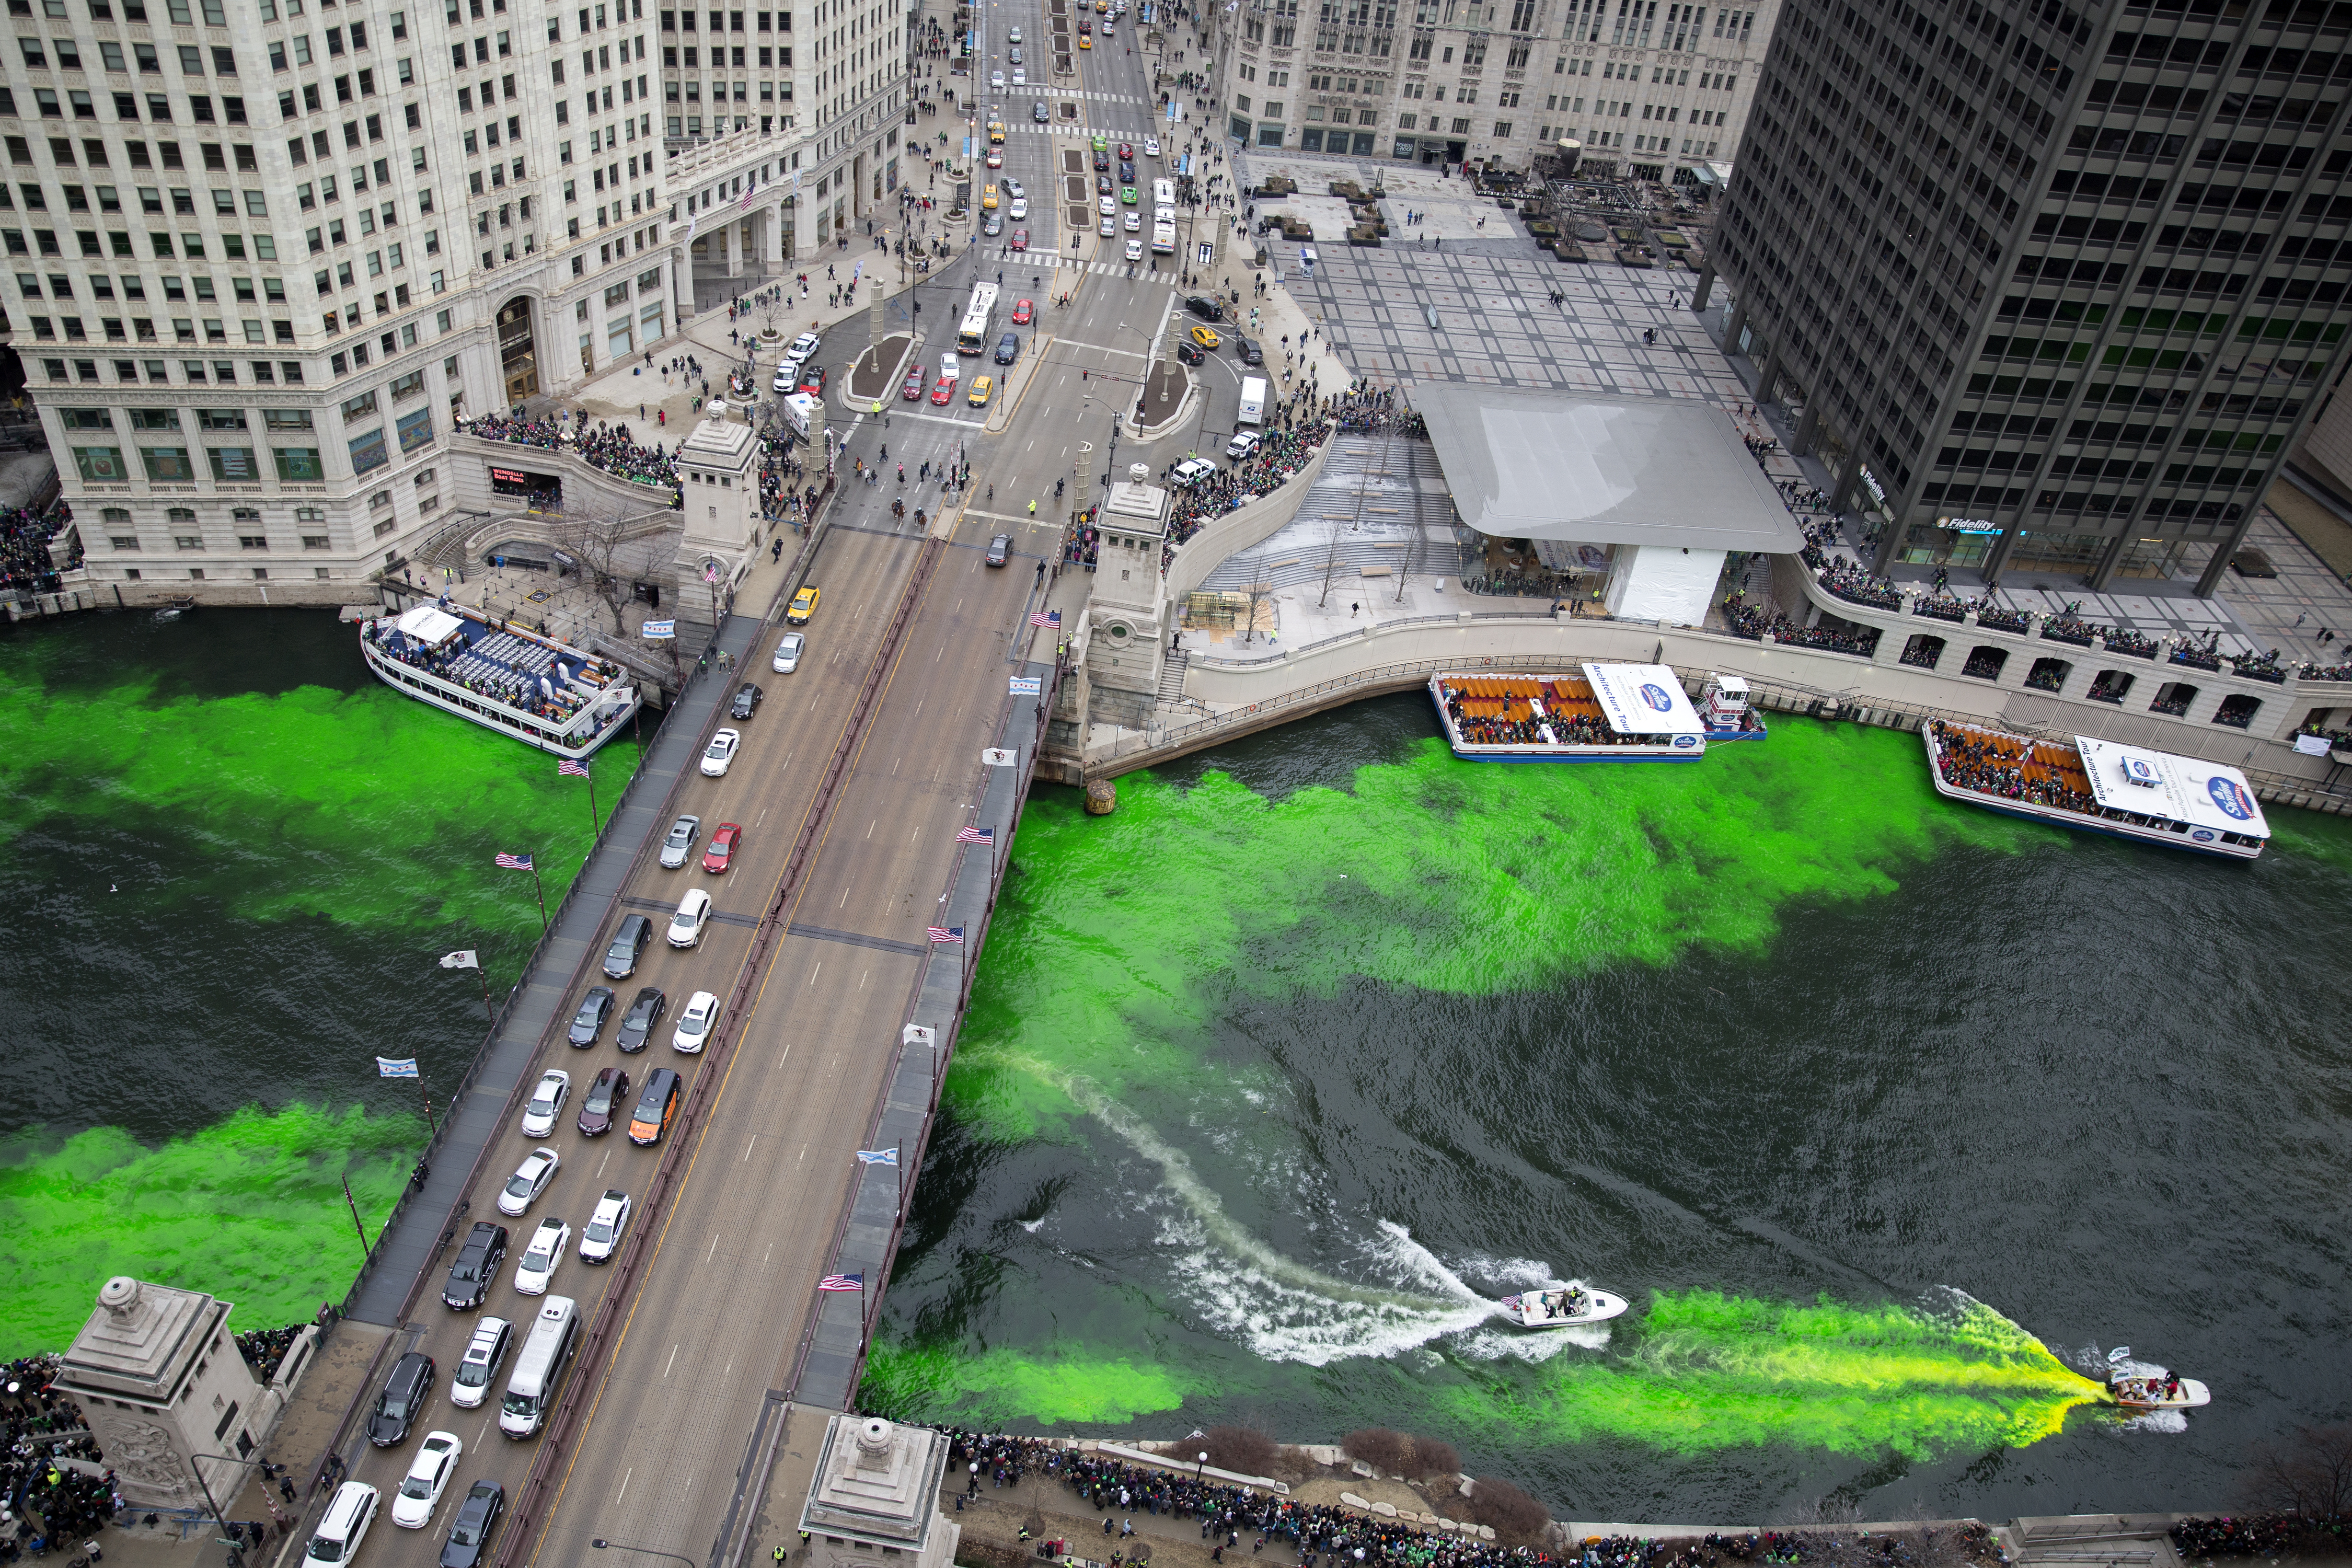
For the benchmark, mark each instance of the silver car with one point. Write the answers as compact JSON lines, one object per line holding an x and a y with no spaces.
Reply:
{"x":787,"y":660}
{"x":680,"y":842}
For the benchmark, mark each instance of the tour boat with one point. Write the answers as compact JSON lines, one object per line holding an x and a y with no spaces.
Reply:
{"x":502,"y":676}
{"x":1562,"y":1307}
{"x":2098,"y":786}
{"x":1611,"y":713}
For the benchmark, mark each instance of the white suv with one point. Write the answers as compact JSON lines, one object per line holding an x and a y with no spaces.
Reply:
{"x":605,"y":1227}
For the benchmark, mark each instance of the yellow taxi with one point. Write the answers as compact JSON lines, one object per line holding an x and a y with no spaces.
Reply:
{"x":1205,"y":338}
{"x":1085,"y":40}
{"x":996,"y":132}
{"x":803,"y":607}
{"x":987,"y":197}
{"x":981,"y":389}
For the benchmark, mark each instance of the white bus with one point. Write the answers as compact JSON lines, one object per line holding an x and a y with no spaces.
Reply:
{"x":1163,"y":192}
{"x":971,"y":338}
{"x":1163,"y":236}
{"x":539,"y":1369}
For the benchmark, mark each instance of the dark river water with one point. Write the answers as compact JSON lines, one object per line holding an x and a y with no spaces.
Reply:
{"x":1890,"y":1118}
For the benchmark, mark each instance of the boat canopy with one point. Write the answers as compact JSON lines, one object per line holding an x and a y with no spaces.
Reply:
{"x":427,"y":625}
{"x":1643,"y":699}
{"x":2161,"y":783}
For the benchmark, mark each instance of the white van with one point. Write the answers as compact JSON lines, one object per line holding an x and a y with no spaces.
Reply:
{"x":1253,"y":401}
{"x":539,"y":1371}
{"x":338,"y":1535}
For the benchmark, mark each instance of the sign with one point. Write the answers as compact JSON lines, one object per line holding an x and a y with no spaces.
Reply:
{"x":998,"y":757}
{"x":396,"y":1067}
{"x":1028,"y":685}
{"x":2311,"y":745}
{"x":1968,"y":524}
{"x":1643,"y":699}
{"x":655,"y":630}
{"x":508,"y":476}
{"x":1870,"y":482}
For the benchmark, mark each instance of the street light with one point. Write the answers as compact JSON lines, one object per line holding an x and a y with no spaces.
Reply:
{"x":601,"y":1544}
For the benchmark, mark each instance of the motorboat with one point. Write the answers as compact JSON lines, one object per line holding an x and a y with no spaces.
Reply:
{"x":1562,"y":1307}
{"x":2142,"y":1386}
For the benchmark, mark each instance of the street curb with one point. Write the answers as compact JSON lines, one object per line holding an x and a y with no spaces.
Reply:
{"x":1002,"y":414}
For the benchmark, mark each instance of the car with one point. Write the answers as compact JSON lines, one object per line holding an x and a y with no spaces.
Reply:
{"x":1306,"y":257}
{"x":1103,"y":188}
{"x":428,"y":1476}
{"x":1189,"y":352}
{"x":803,"y":348}
{"x":1017,"y":208}
{"x":981,"y":388}
{"x":476,"y":1266}
{"x":1102,"y":158}
{"x":1208,"y":309}
{"x":788,"y":651}
{"x":1086,"y":25}
{"x":1105,"y":204}
{"x":680,"y":843}
{"x":812,"y":380}
{"x":1151,"y":146}
{"x":657,"y":1107}
{"x":1134,"y":222}
{"x":1085,"y":40}
{"x":1190,"y":472}
{"x":1249,"y":349}
{"x":589,"y":1022}
{"x":343,"y":1527}
{"x":693,"y":914}
{"x":1037,"y":111}
{"x":1126,"y":152}
{"x":995,"y":131}
{"x":988,"y":198}
{"x":721,"y":754}
{"x":996,"y":81}
{"x":803,"y":607}
{"x":629,"y":939}
{"x":1243,"y":443}
{"x":746,"y":701}
{"x":1206,"y":338}
{"x":1014,"y":56}
{"x":546,"y":1102}
{"x":469,"y":1384}
{"x":1023,"y":311}
{"x":530,"y":1180}
{"x":609,"y":1088}
{"x":606,"y":1225}
{"x":638,"y":1023}
{"x":1012,"y":35}
{"x":1109,"y":225}
{"x":912,"y":389}
{"x":403,"y":1398}
{"x":1000,"y":549}
{"x":1008,"y":348}
{"x":1016,"y":188}
{"x":1125,"y":164}
{"x":1020,"y":240}
{"x":723,"y":845}
{"x":537,"y":1264}
{"x":478,"y":1520}
{"x":995,"y":157}
{"x":694,"y":1024}
{"x":1135,"y":250}
{"x":944,"y":392}
{"x":786,"y":377}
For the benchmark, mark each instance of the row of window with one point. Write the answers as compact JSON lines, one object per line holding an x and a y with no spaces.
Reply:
{"x":227,"y":465}
{"x":126,"y":106}
{"x":111,"y":57}
{"x":94,"y":154}
{"x":191,"y":246}
{"x":688,"y":58}
{"x":143,"y":330}
{"x":672,"y":21}
{"x":134,"y":287}
{"x":179,"y":13}
{"x":262,"y":372}
{"x":348,"y":89}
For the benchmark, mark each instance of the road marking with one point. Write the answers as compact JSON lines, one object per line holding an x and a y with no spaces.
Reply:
{"x":633,"y":1470}
{"x":763,"y":1262}
{"x":763,"y":810}
{"x":864,"y":978}
{"x":485,"y":1420}
{"x":845,"y":896}
{"x":872,"y":826}
{"x":672,"y":1357}
{"x":601,"y":1164}
{"x":714,"y":1234}
{"x":802,"y":1154}
{"x":747,"y":1148}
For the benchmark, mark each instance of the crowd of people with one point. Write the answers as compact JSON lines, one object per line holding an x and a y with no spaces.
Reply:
{"x":1284,"y":448}
{"x":265,"y":1349}
{"x":1991,"y":766}
{"x":607,"y":447}
{"x":1752,"y":621}
{"x":1850,"y":582}
{"x":2267,"y":1535}
{"x":26,"y":563}
{"x":47,"y":1504}
{"x":1519,"y":724}
{"x":1371,"y":411}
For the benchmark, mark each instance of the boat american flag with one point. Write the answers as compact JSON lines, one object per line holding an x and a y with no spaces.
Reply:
{"x":515,"y":862}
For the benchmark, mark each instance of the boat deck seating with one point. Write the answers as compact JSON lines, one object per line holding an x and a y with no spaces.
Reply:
{"x":1499,"y":697}
{"x":2037,"y":760}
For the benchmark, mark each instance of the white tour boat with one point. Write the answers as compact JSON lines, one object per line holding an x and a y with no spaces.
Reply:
{"x":1611,"y":713}
{"x":1562,"y":1307}
{"x":500,"y":676}
{"x":2098,"y":786}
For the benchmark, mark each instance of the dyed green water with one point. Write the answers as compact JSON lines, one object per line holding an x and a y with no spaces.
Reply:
{"x":1275,"y":1079}
{"x":232,"y":860}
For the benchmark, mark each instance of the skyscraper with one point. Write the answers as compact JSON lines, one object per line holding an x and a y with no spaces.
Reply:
{"x":2056,"y":286}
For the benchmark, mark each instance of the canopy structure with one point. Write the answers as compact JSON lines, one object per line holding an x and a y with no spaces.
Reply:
{"x":2162,"y":784}
{"x":428,"y":625}
{"x":1597,"y":469}
{"x":1643,"y":699}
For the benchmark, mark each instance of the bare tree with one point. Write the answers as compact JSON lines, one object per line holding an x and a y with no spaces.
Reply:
{"x":599,"y":544}
{"x":2309,"y":1474}
{"x":1330,"y":563}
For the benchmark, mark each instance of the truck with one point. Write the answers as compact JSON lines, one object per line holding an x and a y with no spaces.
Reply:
{"x":1253,"y":401}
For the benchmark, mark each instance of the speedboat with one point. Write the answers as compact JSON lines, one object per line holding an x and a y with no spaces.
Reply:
{"x":2142,"y":1386}
{"x":1562,"y":1306}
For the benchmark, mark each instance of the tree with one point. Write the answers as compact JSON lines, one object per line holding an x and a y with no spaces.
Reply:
{"x":2309,"y":1474}
{"x":1517,"y":1519}
{"x":1241,"y":1449}
{"x":599,"y":541}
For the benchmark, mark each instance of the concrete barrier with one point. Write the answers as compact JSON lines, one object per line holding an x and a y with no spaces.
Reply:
{"x":1242,"y":528}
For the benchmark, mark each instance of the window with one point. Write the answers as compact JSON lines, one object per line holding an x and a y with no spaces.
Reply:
{"x":98,"y":465}
{"x":298,"y":465}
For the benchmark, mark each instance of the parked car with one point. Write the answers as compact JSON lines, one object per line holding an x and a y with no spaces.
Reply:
{"x":401,"y":1399}
{"x":1189,"y":352}
{"x":1208,"y":309}
{"x":476,"y":1265}
{"x":589,"y":1022}
{"x":606,"y":1089}
{"x":638,"y":1023}
{"x":1249,"y":349}
{"x":1243,"y":443}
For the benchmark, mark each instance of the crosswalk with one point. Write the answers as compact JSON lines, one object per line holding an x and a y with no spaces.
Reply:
{"x":1043,"y":261}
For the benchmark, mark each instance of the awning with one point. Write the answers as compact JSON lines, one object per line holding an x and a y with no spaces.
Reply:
{"x":428,"y":625}
{"x":2161,"y":783}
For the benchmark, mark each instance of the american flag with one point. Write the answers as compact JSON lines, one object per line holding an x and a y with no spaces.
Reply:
{"x":946,"y":934}
{"x":1046,"y":618}
{"x":577,"y":770}
{"x":976,"y":835}
{"x":515,"y":862}
{"x":842,"y":1282}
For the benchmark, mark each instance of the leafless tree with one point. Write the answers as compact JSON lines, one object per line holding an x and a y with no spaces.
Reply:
{"x":599,"y":541}
{"x":1330,"y":562}
{"x":2310,"y":1473}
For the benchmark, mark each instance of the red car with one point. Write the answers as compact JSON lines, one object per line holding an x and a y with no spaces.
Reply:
{"x":1024,"y":312}
{"x":1019,"y":239}
{"x":913,"y":391}
{"x":944,"y":392}
{"x":722,"y":848}
{"x":813,"y":380}
{"x":1126,"y":152}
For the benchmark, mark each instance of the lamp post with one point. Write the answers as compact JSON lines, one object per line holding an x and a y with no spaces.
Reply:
{"x":196,"y":1471}
{"x":1202,"y":1468}
{"x":602,"y":1544}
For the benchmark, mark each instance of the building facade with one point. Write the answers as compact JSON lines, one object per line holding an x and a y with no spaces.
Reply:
{"x":1651,"y":89}
{"x":2056,"y":286}
{"x":262,"y":254}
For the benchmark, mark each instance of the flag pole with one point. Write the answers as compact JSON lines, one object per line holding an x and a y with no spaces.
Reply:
{"x":356,"y":1225}
{"x":432,"y":1127}
{"x":595,"y":826}
{"x":541,"y":887}
{"x":484,"y":979}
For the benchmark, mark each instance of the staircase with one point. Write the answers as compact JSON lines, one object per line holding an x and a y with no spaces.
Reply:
{"x":1171,"y":678}
{"x":1388,"y":500}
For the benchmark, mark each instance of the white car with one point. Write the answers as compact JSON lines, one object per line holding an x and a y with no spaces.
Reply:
{"x":788,"y":376}
{"x":1151,"y":146}
{"x":720,"y":752}
{"x":693,"y":914}
{"x":1135,"y":250}
{"x":787,"y":660}
{"x":1014,"y":36}
{"x":605,"y":1227}
{"x":470,"y":1383}
{"x":1243,"y":443}
{"x":1013,"y":188}
{"x":680,"y":842}
{"x":1109,"y":225}
{"x":530,"y":1180}
{"x":1019,"y":209}
{"x":1133,"y":221}
{"x":1020,"y":77}
{"x":427,"y":1479}
{"x":802,"y":349}
{"x":950,"y":366}
{"x":996,"y":81}
{"x":1107,"y":207}
{"x":694,"y":1024}
{"x":546,"y":1103}
{"x":1191,"y":472}
{"x":537,"y":1264}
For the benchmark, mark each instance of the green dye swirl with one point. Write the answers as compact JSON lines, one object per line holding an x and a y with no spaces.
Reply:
{"x":1000,"y":1387}
{"x":251,"y":1209}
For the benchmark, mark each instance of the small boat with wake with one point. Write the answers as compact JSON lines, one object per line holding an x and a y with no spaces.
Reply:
{"x":2139,"y":1386}
{"x":1562,"y":1307}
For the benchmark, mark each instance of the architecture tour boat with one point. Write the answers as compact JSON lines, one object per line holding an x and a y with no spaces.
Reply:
{"x":543,"y":692}
{"x":2099,"y":786}
{"x":1611,"y":713}
{"x":1562,"y":1307}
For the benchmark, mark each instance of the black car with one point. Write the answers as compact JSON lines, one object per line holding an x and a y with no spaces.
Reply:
{"x":610,"y":1089}
{"x":476,"y":1521}
{"x":628,"y":941}
{"x":747,"y":698}
{"x":1008,"y":348}
{"x":1125,"y":174}
{"x":1208,"y":309}
{"x":1102,"y":184}
{"x":638,"y":1023}
{"x":999,"y":548}
{"x":1037,"y":111}
{"x":1102,"y":160}
{"x":476,"y":1266}
{"x":404,"y":1396}
{"x":1248,"y":348}
{"x":1189,"y":352}
{"x":589,"y":1022}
